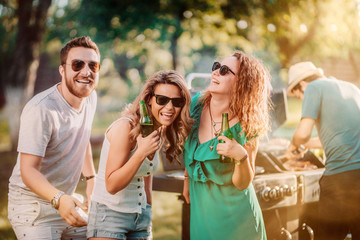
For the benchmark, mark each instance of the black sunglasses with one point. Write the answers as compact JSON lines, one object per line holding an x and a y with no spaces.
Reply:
{"x":77,"y":65}
{"x":163,"y":100}
{"x":223,"y":69}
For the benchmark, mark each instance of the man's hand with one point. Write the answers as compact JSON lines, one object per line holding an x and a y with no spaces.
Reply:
{"x":293,"y":153}
{"x":68,"y":211}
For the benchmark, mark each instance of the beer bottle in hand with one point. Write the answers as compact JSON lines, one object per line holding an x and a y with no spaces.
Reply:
{"x":225,"y":131}
{"x":146,"y":124}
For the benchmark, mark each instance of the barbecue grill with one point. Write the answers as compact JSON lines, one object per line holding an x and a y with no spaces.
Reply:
{"x":288,"y":194}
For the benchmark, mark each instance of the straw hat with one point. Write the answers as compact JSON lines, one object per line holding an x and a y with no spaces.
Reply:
{"x":300,"y":71}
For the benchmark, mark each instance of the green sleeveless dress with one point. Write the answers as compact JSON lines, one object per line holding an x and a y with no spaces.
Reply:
{"x":218,"y":210}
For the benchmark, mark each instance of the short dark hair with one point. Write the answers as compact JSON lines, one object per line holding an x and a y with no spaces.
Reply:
{"x":83,"y":41}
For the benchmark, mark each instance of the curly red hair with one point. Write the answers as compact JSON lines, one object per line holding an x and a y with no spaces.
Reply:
{"x":250,"y":97}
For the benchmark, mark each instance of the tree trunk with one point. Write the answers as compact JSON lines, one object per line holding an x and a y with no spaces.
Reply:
{"x":174,"y":41}
{"x":12,"y":111}
{"x":32,"y":15}
{"x":173,"y":50}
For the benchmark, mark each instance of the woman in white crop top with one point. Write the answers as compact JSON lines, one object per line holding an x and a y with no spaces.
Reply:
{"x":121,"y":201}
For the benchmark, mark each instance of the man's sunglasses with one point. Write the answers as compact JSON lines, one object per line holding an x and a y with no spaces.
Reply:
{"x":77,"y":65}
{"x":223,"y":69}
{"x":163,"y":100}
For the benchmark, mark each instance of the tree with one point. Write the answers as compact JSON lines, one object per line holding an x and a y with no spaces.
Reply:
{"x":22,"y":67}
{"x":142,"y":37}
{"x":132,"y":23}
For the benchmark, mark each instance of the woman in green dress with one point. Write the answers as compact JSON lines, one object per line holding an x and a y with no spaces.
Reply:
{"x":223,"y":202}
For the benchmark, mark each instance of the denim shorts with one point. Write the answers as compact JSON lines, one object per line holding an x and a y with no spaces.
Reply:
{"x":107,"y":223}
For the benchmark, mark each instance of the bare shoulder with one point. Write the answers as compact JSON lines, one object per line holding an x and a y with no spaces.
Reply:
{"x":119,"y":129}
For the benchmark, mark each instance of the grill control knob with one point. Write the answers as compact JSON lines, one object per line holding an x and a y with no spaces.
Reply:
{"x":273,"y":194}
{"x":289,"y":191}
{"x":265,"y":194}
{"x":282,"y":191}
{"x":268,"y":193}
{"x":279,"y":192}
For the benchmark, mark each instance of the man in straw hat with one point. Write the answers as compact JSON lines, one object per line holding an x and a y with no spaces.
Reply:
{"x":333,"y":106}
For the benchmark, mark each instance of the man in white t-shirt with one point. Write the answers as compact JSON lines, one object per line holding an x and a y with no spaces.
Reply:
{"x":54,"y":149}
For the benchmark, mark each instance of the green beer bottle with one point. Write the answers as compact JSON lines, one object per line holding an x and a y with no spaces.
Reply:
{"x":225,"y":131}
{"x":146,"y":124}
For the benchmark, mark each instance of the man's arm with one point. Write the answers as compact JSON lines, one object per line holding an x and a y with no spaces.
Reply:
{"x":33,"y":178}
{"x":89,"y":171}
{"x":301,"y":136}
{"x":314,"y":143}
{"x":36,"y":181}
{"x":303,"y":132}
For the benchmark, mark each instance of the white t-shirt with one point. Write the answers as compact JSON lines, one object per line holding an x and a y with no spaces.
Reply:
{"x":132,"y":198}
{"x":52,"y":129}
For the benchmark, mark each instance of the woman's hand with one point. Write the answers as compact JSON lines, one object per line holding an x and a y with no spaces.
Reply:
{"x":149,"y":144}
{"x":186,"y":192}
{"x":230,"y":148}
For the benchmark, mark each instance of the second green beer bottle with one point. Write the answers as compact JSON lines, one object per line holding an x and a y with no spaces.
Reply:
{"x":146,"y":124}
{"x":225,"y":131}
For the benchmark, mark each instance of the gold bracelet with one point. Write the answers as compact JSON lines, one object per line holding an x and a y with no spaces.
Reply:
{"x":238,"y":162}
{"x":185,"y":177}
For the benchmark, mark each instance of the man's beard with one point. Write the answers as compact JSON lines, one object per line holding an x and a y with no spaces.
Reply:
{"x":77,"y":91}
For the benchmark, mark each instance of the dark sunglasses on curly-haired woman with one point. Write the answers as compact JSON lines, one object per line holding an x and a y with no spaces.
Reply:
{"x":223,"y":69}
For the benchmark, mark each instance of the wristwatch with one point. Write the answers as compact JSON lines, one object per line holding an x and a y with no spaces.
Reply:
{"x":55,"y":201}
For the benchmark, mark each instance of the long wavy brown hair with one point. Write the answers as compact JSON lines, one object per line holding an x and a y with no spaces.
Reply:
{"x":250,"y":97}
{"x":178,"y":131}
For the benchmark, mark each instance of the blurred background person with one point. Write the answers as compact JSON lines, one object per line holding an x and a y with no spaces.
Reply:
{"x":121,"y":201}
{"x":223,"y":202}
{"x":333,"y":106}
{"x":54,"y":149}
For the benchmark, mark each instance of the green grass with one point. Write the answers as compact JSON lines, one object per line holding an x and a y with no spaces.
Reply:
{"x":4,"y":135}
{"x":166,"y":216}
